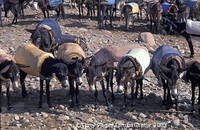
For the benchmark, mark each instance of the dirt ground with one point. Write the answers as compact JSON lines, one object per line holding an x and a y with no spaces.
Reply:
{"x":146,"y":113}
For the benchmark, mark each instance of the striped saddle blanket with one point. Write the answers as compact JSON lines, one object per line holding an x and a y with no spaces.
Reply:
{"x":54,"y":3}
{"x":193,"y":27}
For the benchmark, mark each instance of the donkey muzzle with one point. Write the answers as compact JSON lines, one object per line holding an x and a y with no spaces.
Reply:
{"x":79,"y":80}
{"x":120,"y":88}
{"x":174,"y":92}
{"x":91,"y":88}
{"x":65,"y":83}
{"x":15,"y":85}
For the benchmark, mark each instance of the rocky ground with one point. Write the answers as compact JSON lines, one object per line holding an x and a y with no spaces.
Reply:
{"x":146,"y":113}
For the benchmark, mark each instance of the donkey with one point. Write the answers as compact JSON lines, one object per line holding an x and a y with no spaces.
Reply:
{"x":105,"y":12}
{"x":45,"y":6}
{"x":131,"y":68}
{"x":8,"y":73}
{"x":180,"y":28}
{"x":74,"y":56}
{"x":129,"y":11}
{"x":167,"y":65}
{"x":193,"y":75}
{"x":155,"y":11}
{"x":42,"y":65}
{"x":90,"y":5}
{"x":14,"y":7}
{"x":47,"y":36}
{"x":195,"y":11}
{"x":80,"y":3}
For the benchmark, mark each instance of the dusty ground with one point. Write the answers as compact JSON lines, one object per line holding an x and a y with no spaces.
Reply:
{"x":146,"y":113}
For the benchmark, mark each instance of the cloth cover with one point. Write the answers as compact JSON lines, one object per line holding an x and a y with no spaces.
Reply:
{"x":193,"y":27}
{"x":67,"y":51}
{"x":134,"y":6}
{"x":142,"y":56}
{"x":31,"y":56}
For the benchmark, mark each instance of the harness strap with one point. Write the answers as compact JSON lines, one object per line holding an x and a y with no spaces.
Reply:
{"x":138,"y":68}
{"x":53,"y":44}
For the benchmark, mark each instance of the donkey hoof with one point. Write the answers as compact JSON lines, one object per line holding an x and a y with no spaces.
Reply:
{"x":72,"y":105}
{"x":50,"y":105}
{"x":164,"y":102}
{"x":9,"y":108}
{"x":24,"y":95}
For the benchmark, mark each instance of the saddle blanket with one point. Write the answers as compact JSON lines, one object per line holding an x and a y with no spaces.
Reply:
{"x":108,"y":2}
{"x":142,"y":56}
{"x":161,"y":53}
{"x":193,"y":27}
{"x":191,"y":3}
{"x":134,"y":6}
{"x":31,"y":56}
{"x":68,"y":51}
{"x":54,"y":3}
{"x":165,"y":6}
{"x":51,"y":24}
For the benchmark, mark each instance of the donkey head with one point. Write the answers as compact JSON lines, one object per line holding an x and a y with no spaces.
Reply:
{"x":42,"y":39}
{"x":125,"y":71}
{"x":9,"y":71}
{"x":94,"y":72}
{"x":61,"y":72}
{"x":171,"y":73}
{"x":77,"y":68}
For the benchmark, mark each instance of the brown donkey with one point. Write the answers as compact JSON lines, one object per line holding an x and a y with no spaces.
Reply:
{"x":155,"y":11}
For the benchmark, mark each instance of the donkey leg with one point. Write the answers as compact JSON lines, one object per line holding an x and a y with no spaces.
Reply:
{"x":132,"y":92}
{"x":137,"y":87}
{"x":169,"y":99}
{"x":48,"y":92}
{"x":193,"y":96}
{"x":41,"y":93}
{"x":165,"y":90}
{"x":8,"y":96}
{"x":104,"y":92}
{"x":71,"y":83}
{"x":44,"y":13}
{"x":62,"y":11}
{"x":141,"y":85}
{"x":77,"y":92}
{"x":199,"y":96}
{"x":125,"y":95}
{"x":0,"y":95}
{"x":111,"y":85}
{"x":96,"y":95}
{"x":22,"y":79}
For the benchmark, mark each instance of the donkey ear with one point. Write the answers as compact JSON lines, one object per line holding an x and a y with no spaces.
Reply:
{"x":22,"y":66}
{"x":30,"y":30}
{"x":164,"y":68}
